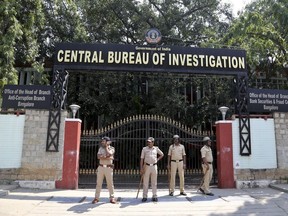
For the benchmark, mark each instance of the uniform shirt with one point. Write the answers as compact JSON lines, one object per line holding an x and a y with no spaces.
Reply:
{"x":176,"y":152}
{"x":102,"y":151}
{"x":206,"y":152}
{"x":150,"y":154}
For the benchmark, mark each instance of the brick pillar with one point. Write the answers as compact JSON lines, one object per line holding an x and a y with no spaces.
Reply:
{"x":225,"y":168}
{"x":72,"y":136}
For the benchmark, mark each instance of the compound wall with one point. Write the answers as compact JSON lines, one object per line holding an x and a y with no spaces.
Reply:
{"x":36,"y":164}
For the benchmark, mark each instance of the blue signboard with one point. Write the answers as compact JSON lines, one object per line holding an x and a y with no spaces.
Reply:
{"x":267,"y":100}
{"x":26,"y":96}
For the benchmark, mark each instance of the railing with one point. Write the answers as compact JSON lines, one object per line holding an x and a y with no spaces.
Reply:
{"x":129,"y":137}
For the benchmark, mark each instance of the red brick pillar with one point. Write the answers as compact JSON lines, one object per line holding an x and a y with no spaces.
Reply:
{"x":70,"y":155}
{"x":225,"y":168}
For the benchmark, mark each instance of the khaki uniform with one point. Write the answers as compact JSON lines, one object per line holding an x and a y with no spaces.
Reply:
{"x":105,"y":169}
{"x":149,"y":155}
{"x":206,"y":152}
{"x":176,"y":152}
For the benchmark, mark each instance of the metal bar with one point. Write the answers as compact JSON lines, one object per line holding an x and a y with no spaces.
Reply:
{"x":59,"y":92}
{"x":129,"y":138}
{"x":244,"y":118}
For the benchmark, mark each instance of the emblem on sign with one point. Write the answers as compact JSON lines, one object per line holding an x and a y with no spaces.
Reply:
{"x":153,"y":36}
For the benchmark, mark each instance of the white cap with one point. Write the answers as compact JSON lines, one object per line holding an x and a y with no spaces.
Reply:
{"x":176,"y":137}
{"x":150,"y":139}
{"x":206,"y":139}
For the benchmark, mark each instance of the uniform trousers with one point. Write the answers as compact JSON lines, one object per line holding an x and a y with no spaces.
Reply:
{"x":150,"y":172}
{"x":174,"y":167}
{"x":207,"y":177}
{"x":106,"y":172}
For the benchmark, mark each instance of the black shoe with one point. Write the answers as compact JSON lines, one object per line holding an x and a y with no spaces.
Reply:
{"x":154,"y":199}
{"x":209,"y":194}
{"x":113,"y":201}
{"x":96,"y":200}
{"x":183,"y":194}
{"x":144,"y":199}
{"x":171,"y":194}
{"x":202,"y":191}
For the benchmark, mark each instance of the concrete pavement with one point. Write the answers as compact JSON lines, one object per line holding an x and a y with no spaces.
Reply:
{"x":252,"y":201}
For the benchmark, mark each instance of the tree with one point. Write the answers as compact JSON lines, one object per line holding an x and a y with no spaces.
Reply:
{"x":182,"y":23}
{"x":46,"y":22}
{"x":20,"y":24}
{"x":29,"y":30}
{"x":125,"y":21}
{"x":262,"y":31}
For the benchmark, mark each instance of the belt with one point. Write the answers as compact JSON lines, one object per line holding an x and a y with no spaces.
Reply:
{"x":151,"y":164}
{"x":108,"y":165}
{"x":177,"y":160}
{"x":208,"y":163}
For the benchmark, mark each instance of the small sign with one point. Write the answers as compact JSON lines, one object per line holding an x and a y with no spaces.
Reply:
{"x":267,"y":100}
{"x":237,"y":165}
{"x":26,"y":96}
{"x":153,"y":36}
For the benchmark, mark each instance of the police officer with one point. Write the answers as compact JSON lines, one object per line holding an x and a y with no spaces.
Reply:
{"x":148,"y":167}
{"x":105,"y":169}
{"x":176,"y":161}
{"x":207,"y":160}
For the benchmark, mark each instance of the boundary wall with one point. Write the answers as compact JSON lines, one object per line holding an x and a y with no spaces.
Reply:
{"x":267,"y":164}
{"x":39,"y":169}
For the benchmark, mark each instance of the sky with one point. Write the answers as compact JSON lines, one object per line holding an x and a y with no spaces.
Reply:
{"x":237,"y":5}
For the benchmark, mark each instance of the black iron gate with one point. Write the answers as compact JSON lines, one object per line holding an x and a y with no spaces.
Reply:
{"x":129,"y":137}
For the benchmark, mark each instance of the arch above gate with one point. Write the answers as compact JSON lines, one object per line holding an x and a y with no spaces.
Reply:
{"x":153,"y":58}
{"x":120,"y":57}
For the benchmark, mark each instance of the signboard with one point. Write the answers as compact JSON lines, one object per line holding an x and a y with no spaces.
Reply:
{"x":26,"y":96}
{"x":150,"y":58}
{"x":267,"y":100}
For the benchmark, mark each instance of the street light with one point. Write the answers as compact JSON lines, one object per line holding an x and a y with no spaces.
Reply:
{"x":74,"y":108}
{"x":223,"y":110}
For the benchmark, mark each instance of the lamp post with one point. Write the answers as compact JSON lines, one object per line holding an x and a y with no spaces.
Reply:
{"x":74,"y":108}
{"x":223,"y":110}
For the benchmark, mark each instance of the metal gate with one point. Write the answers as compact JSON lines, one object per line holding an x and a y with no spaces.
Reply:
{"x":129,"y":137}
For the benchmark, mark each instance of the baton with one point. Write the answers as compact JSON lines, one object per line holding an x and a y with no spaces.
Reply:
{"x":169,"y":179}
{"x":141,"y":180}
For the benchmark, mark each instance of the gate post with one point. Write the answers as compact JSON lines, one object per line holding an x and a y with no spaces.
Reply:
{"x":70,"y":155}
{"x":224,"y":146}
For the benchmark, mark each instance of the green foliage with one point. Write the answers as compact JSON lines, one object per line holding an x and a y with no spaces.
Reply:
{"x":126,"y":21}
{"x":21,"y":22}
{"x":262,"y":31}
{"x":109,"y":96}
{"x":120,"y":94}
{"x":10,"y":31}
{"x":30,"y":29}
{"x":36,"y":26}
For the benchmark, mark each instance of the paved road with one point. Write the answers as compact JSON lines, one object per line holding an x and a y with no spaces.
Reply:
{"x":254,"y":202}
